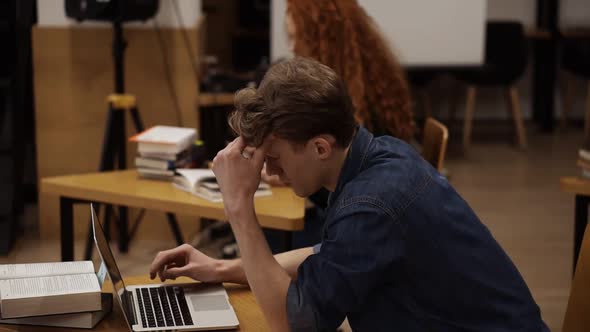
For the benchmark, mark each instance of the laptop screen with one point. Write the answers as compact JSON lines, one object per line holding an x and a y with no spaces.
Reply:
{"x":104,"y":250}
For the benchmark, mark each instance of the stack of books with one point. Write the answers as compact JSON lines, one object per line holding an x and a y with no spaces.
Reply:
{"x":61,"y":294}
{"x":163,"y":149}
{"x":584,"y":162}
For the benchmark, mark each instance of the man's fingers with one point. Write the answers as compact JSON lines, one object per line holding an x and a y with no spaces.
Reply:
{"x":157,"y":263}
{"x":248,"y":152}
{"x":225,"y":151}
{"x":232,"y":143}
{"x":239,"y":144}
{"x":162,"y":272}
{"x":175,"y":272}
{"x":162,"y":258}
{"x":234,"y":148}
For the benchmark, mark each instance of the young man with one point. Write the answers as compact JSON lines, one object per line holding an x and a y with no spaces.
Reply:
{"x":400,"y":250}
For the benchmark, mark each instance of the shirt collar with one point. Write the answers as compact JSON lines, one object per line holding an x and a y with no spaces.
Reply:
{"x":354,"y":161}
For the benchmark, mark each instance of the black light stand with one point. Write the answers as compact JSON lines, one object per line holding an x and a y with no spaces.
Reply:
{"x":114,"y":145}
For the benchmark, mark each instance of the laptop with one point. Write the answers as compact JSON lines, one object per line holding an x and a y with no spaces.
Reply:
{"x":157,"y":307}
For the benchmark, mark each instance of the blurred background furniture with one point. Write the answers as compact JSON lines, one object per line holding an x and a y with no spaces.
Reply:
{"x":434,"y":145}
{"x":505,"y":62}
{"x":575,"y":62}
{"x":577,"y":315}
{"x":17,"y":119}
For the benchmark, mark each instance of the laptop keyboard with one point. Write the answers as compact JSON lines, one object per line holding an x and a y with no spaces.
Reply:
{"x":163,"y":306}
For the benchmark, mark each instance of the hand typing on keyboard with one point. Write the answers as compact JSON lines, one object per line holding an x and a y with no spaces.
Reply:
{"x":185,"y":261}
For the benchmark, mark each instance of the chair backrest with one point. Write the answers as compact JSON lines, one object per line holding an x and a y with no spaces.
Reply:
{"x":506,"y":46}
{"x":575,"y":53}
{"x":434,"y":147}
{"x":577,"y":315}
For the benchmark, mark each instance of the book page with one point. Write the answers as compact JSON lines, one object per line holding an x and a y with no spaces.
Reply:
{"x":192,"y":176}
{"x":14,"y":271}
{"x":48,"y":286}
{"x":201,"y":182}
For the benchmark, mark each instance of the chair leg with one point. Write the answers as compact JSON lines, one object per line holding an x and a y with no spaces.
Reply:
{"x":566,"y":98}
{"x":587,"y":118}
{"x":514,"y":102}
{"x":468,"y":123}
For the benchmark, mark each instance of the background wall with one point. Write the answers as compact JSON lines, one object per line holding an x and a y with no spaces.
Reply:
{"x":73,"y":76}
{"x":571,"y":13}
{"x":454,"y":28}
{"x":490,"y":104}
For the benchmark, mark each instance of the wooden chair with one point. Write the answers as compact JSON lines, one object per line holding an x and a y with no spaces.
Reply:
{"x":577,"y":315}
{"x":505,"y":62}
{"x":436,"y":136}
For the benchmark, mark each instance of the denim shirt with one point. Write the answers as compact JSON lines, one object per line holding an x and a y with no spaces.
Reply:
{"x":402,"y":251}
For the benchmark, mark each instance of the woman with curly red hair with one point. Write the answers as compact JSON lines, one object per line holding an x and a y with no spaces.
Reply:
{"x":340,"y":34}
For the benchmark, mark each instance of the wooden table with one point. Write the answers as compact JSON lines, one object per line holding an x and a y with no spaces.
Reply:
{"x":282,"y":211}
{"x":240,"y":297}
{"x":581,"y":188}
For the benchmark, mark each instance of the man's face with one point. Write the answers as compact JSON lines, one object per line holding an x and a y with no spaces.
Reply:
{"x":297,"y":166}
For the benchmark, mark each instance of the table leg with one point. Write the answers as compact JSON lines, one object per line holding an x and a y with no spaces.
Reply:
{"x":175,"y":229}
{"x":66,"y":210}
{"x":123,"y":230}
{"x":544,"y":65}
{"x":581,"y":220}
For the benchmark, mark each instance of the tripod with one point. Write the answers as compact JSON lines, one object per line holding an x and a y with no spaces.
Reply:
{"x":114,"y":148}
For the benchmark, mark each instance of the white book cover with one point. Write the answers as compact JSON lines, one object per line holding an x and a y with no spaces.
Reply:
{"x":164,"y":139}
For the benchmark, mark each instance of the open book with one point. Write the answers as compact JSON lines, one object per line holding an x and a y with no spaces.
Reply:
{"x":202,"y":183}
{"x":79,"y":320}
{"x":48,"y":288}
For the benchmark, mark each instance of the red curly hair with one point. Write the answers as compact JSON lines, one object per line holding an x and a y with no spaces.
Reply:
{"x":340,"y":34}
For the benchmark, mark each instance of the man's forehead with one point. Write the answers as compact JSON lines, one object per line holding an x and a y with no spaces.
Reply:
{"x":274,"y":146}
{"x":278,"y":146}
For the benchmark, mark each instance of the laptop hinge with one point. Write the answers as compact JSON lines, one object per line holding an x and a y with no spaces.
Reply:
{"x":131,"y":304}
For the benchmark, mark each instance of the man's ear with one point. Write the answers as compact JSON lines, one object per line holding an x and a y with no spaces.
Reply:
{"x":323,"y":146}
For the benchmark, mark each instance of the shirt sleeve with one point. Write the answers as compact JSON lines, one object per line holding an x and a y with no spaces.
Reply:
{"x":363,"y":245}
{"x":317,"y":248}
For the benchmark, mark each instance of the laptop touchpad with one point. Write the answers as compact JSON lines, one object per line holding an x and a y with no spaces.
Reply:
{"x":209,"y":302}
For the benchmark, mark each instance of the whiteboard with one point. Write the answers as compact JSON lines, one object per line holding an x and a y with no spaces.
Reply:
{"x":574,"y":13}
{"x":421,"y":32}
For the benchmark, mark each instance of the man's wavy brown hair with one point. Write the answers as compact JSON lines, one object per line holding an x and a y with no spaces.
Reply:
{"x":340,"y":34}
{"x":298,"y":99}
